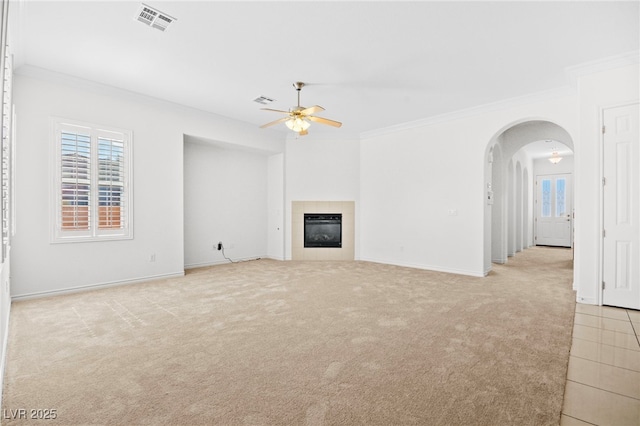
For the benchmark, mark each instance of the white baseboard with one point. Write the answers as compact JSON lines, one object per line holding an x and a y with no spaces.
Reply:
{"x":281,"y":258}
{"x":204,"y":264}
{"x":486,"y":271}
{"x":223,"y":262}
{"x":3,"y":358}
{"x":586,"y":300}
{"x":40,"y":294}
{"x":427,"y":267}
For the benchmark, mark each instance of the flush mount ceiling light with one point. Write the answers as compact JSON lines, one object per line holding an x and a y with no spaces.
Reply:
{"x":153,"y":17}
{"x":555,"y":157}
{"x":299,"y":118}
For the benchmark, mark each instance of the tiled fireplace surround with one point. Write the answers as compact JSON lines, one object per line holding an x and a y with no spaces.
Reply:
{"x":298,"y":250}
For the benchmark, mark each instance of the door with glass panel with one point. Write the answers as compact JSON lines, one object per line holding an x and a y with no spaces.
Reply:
{"x":554,"y":205}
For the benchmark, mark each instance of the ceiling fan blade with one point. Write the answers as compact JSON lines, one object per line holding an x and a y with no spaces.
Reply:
{"x":280,"y":120}
{"x":274,"y":110}
{"x":324,"y":121}
{"x":312,"y":110}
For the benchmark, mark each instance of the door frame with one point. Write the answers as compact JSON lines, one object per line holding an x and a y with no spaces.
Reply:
{"x":600,"y":266}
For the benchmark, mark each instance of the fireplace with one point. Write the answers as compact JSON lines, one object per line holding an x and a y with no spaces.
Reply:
{"x":323,"y":230}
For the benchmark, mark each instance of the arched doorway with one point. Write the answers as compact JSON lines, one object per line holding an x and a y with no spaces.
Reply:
{"x":511,"y":176}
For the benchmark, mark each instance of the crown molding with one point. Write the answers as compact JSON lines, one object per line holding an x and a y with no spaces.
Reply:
{"x":572,"y":74}
{"x":55,"y":77}
{"x":474,"y":111}
{"x":247,"y":131}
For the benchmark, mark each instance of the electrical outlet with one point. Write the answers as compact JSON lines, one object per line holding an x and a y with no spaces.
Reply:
{"x":152,"y":257}
{"x":220,"y":245}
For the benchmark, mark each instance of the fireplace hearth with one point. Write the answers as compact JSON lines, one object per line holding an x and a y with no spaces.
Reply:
{"x":323,"y":230}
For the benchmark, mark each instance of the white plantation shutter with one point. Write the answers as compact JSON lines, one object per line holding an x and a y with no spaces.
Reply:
{"x":6,"y":147}
{"x":111,"y":175}
{"x":92,"y":194}
{"x":75,"y":175}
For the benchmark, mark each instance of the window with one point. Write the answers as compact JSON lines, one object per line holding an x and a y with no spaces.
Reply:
{"x":561,"y":197}
{"x":546,"y":198}
{"x":92,"y":194}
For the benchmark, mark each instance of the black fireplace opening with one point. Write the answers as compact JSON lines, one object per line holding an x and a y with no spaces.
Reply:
{"x":323,"y":229}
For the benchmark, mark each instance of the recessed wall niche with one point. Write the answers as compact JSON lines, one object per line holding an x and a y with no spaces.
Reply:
{"x":300,"y":252}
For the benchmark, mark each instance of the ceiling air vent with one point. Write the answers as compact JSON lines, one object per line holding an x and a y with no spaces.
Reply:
{"x":263,"y":100}
{"x":154,"y":18}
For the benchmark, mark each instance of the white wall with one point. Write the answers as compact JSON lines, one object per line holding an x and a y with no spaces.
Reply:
{"x":542,"y":166}
{"x":276,"y":208}
{"x":496,"y":232}
{"x":423,"y":189}
{"x":523,"y":219}
{"x":225,"y":199}
{"x":321,"y":170}
{"x":419,"y":192}
{"x":597,"y":91}
{"x":39,"y":267}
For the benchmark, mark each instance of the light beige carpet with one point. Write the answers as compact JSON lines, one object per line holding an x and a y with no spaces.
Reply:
{"x":302,"y":343}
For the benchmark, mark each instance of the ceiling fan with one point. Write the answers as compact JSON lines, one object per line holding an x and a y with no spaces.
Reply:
{"x":299,"y":118}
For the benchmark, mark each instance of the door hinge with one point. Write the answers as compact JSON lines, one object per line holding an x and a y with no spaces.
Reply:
{"x":604,"y":181}
{"x":604,"y":129}
{"x":604,"y":233}
{"x":603,"y":285}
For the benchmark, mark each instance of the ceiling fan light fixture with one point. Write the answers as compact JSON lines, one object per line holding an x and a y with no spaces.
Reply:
{"x":299,"y":118}
{"x":297,"y":124}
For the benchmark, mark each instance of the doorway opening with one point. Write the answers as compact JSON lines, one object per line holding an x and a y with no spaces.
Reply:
{"x":516,"y":161}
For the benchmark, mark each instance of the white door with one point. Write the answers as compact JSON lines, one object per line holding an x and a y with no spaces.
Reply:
{"x":621,"y":208}
{"x":554,"y":205}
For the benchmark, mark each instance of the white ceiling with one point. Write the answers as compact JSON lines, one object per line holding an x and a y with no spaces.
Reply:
{"x":370,"y":64}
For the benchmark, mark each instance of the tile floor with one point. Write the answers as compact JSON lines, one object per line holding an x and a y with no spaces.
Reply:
{"x":603,"y":380}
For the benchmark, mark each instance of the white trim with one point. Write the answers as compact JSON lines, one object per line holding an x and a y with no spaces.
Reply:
{"x":474,"y":111}
{"x":5,"y":346}
{"x":572,"y":73}
{"x":96,"y":132}
{"x":425,"y":267}
{"x":266,"y":136}
{"x":278,"y":258}
{"x":487,"y":270}
{"x":600,"y":211}
{"x":222,"y":262}
{"x":586,"y":301}
{"x":78,"y":289}
{"x":575,"y":72}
